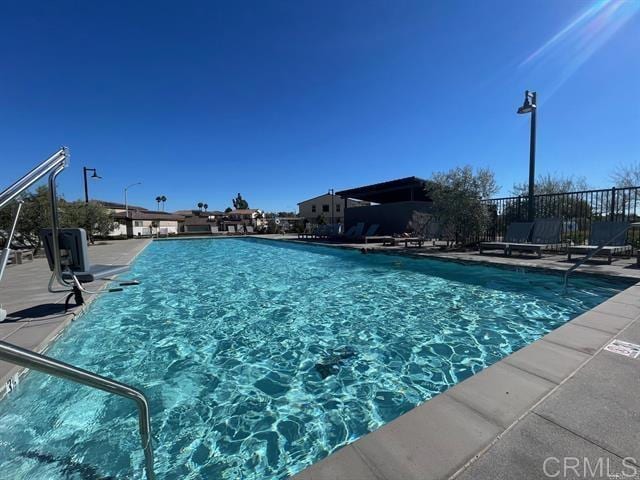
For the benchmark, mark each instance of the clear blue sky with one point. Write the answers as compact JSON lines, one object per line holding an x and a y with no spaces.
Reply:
{"x":281,"y":100}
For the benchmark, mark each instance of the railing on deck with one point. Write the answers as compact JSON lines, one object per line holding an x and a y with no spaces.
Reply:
{"x":578,"y":210}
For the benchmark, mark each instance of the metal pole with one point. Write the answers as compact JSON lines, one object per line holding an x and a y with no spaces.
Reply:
{"x":126,"y":207}
{"x":28,"y":359}
{"x":86,"y":188}
{"x":532,"y":159}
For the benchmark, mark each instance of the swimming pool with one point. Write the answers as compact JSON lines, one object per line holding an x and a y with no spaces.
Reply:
{"x":262,"y":357}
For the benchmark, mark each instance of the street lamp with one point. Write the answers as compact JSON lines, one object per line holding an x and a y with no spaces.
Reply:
{"x":331,"y":192}
{"x":86,"y":188}
{"x":126,"y":205}
{"x":530,"y":106}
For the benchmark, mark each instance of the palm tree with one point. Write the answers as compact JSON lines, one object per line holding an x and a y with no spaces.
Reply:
{"x":163,"y":199}
{"x":158,"y":200}
{"x":200,"y":204}
{"x":205,"y":206}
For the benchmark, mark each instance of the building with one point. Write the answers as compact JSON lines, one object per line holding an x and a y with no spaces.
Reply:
{"x":247,"y":216}
{"x":322,"y":205}
{"x":142,"y":223}
{"x":391,"y":206}
{"x":199,"y":221}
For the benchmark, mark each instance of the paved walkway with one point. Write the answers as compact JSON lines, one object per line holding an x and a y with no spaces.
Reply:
{"x":35,"y":316}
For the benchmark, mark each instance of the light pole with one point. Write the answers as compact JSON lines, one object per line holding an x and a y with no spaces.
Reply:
{"x":331,"y":192}
{"x":126,"y":205}
{"x":530,"y":106}
{"x":86,"y":187}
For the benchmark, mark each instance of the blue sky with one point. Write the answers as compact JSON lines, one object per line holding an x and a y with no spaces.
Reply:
{"x":281,"y":100}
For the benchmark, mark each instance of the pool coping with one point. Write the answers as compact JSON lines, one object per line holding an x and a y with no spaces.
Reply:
{"x":11,"y":379}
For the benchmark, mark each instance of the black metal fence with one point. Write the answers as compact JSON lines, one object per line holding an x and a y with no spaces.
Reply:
{"x":578,"y":210}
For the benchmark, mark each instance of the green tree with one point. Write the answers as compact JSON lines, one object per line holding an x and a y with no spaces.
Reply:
{"x":457,"y":202}
{"x":240,"y":203}
{"x":36,"y":215}
{"x":228,"y":209}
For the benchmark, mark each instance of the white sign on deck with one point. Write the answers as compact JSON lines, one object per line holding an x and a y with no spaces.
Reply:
{"x":624,"y":348}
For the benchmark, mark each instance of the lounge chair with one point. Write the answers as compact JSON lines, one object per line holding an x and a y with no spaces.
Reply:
{"x":517,"y":233}
{"x":231,"y":229}
{"x":602,"y":233}
{"x":248,"y":229}
{"x":214,"y":229}
{"x":353,"y":233}
{"x":546,"y":233}
{"x":407,"y":239}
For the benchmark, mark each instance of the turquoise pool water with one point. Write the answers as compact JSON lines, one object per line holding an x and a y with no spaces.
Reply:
{"x":261,"y":358}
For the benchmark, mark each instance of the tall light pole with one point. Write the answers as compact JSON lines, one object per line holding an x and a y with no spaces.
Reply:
{"x":530,"y":106}
{"x":126,"y":205}
{"x":86,"y":187}
{"x":331,"y":192}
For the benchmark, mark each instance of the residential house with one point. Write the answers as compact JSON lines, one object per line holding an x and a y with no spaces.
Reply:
{"x":137,"y":223}
{"x":199,"y":221}
{"x":329,"y":207}
{"x":247,"y":216}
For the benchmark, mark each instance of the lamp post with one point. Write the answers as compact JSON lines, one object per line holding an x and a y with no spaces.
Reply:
{"x":530,"y":106}
{"x":331,"y":192}
{"x":126,"y":205}
{"x":86,"y":187}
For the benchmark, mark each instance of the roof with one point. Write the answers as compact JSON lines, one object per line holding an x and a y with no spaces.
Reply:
{"x":193,"y":213}
{"x":196,"y":220}
{"x":148,"y":215}
{"x":117,"y":205}
{"x":242,"y":211}
{"x":315,"y":198}
{"x":400,"y":190}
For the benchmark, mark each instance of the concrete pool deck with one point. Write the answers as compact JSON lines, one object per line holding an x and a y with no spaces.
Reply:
{"x":562,"y":396}
{"x":36,"y":316}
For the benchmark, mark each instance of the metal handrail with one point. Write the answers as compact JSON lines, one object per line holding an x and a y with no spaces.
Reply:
{"x":593,"y":253}
{"x":59,"y":158}
{"x":26,"y":358}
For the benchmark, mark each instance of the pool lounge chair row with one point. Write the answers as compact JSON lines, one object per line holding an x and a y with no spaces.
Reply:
{"x":332,"y":232}
{"x":541,"y":234}
{"x":527,"y":237}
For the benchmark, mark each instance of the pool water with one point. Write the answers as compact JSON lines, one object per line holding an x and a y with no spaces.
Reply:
{"x":260,"y":357}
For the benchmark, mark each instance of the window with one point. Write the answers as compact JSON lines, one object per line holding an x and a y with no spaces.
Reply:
{"x":338,"y":207}
{"x":313,"y":209}
{"x":137,"y":223}
{"x":325,"y":208}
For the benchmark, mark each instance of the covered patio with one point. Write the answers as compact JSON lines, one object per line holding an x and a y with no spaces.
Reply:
{"x":394,"y":204}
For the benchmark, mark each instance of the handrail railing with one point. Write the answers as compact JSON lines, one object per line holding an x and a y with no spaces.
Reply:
{"x":59,"y":158}
{"x":594,"y":252}
{"x":26,"y":358}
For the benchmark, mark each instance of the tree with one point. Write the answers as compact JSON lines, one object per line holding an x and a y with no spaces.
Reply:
{"x":228,"y":209}
{"x":36,"y":215}
{"x":158,"y":200}
{"x":163,"y":199}
{"x":240,"y":203}
{"x":457,"y":202}
{"x":200,"y":204}
{"x":93,"y":216}
{"x":626,"y":175}
{"x":205,"y":207}
{"x":548,"y":183}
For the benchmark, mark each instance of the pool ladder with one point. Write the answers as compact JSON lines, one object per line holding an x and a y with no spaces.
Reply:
{"x":594,"y":252}
{"x":28,"y":359}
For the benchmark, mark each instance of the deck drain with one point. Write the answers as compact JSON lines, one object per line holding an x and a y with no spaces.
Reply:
{"x":624,"y":348}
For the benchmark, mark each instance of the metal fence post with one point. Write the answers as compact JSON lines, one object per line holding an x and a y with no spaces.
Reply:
{"x":613,"y":203}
